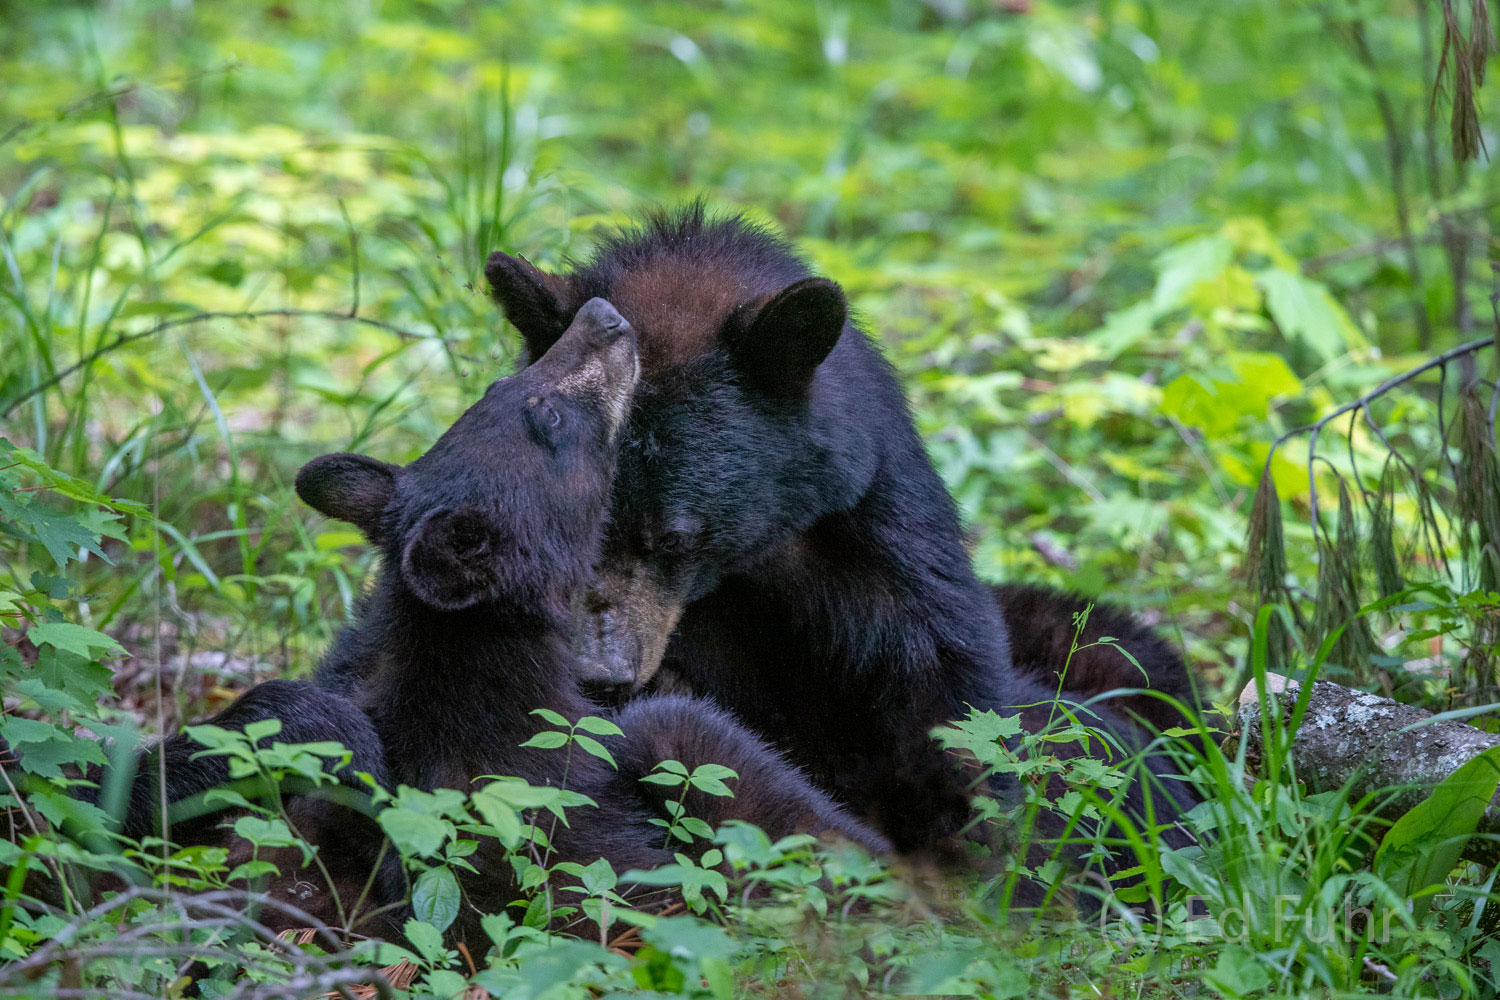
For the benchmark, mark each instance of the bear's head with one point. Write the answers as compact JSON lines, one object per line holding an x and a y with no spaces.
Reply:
{"x":742,"y":433}
{"x":507,"y":507}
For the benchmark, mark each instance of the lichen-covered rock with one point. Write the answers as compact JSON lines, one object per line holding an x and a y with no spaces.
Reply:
{"x":1372,"y":744}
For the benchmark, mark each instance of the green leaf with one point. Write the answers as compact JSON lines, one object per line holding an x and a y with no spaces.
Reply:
{"x":16,"y":730}
{"x":1423,"y":846}
{"x":444,"y":983}
{"x":63,"y":484}
{"x":262,"y":728}
{"x":532,"y":877}
{"x":598,"y":877}
{"x":711,"y":786}
{"x":226,"y":271}
{"x":1265,"y":374}
{"x":48,"y":757}
{"x":687,"y":937}
{"x":65,"y":682}
{"x":596,"y":749}
{"x":983,"y":734}
{"x":1181,"y":268}
{"x":460,"y":849}
{"x":1194,"y":400}
{"x":669,"y":780}
{"x":217,"y":737}
{"x":546,"y":970}
{"x":499,"y":813}
{"x":1238,"y":972}
{"x":597,"y":726}
{"x":412,"y":832}
{"x":719,"y":977}
{"x":497,"y":926}
{"x":1242,"y":386}
{"x":435,"y":898}
{"x":265,"y":832}
{"x":385,"y":953}
{"x":74,"y":639}
{"x":696,"y":826}
{"x":428,"y":941}
{"x":1305,"y":311}
{"x":59,"y":533}
{"x":551,"y":717}
{"x":225,"y":798}
{"x":1124,"y":328}
{"x":252,"y":869}
{"x":551,"y":739}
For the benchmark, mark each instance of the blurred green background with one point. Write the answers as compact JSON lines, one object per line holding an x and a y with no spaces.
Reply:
{"x":1115,"y":248}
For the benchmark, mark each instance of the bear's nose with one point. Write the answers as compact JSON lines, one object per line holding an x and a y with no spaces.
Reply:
{"x":600,"y":322}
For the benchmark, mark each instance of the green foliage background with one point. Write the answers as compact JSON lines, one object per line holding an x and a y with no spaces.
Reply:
{"x":1116,"y":248}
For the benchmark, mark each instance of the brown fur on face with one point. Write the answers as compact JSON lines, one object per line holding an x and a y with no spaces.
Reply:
{"x":679,"y":281}
{"x":682,"y":303}
{"x":626,"y":621}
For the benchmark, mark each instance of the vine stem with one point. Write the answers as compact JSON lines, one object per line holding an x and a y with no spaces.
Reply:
{"x":1314,"y":428}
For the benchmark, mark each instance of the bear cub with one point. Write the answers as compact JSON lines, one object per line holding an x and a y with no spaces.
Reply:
{"x":486,"y":539}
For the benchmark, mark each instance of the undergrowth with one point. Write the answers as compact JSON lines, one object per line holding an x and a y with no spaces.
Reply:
{"x":1126,"y":255}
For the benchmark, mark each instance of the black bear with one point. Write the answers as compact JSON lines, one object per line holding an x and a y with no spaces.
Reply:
{"x":486,"y":538}
{"x":778,"y":538}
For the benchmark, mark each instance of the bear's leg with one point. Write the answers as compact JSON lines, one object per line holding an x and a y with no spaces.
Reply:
{"x":348,"y":842}
{"x":308,"y":714}
{"x":769,"y":792}
{"x":1154,"y":797}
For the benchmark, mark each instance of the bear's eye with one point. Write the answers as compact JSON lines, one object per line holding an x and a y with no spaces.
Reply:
{"x":664,"y":543}
{"x":545,"y":421}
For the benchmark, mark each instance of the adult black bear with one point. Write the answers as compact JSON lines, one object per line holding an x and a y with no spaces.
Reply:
{"x":486,"y":538}
{"x":778,"y":537}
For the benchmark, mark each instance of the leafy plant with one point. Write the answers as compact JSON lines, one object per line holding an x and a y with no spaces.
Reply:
{"x":1118,"y":250}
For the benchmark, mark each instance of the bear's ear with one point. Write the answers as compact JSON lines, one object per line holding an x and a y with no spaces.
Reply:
{"x":533,"y":300}
{"x":780,"y":344}
{"x":351,"y":488}
{"x":453,"y":558}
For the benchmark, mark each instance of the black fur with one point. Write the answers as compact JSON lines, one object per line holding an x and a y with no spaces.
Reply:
{"x":825,"y":592}
{"x":466,"y":630}
{"x":308,"y":714}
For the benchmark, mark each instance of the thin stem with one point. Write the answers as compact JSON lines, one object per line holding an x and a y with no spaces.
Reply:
{"x":567,"y":763}
{"x":364,"y":893}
